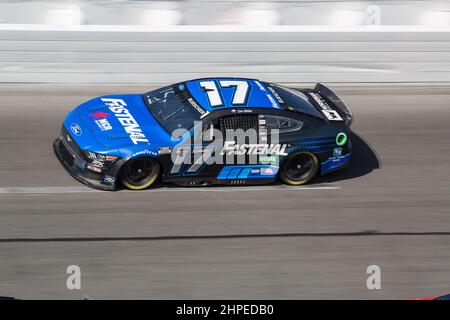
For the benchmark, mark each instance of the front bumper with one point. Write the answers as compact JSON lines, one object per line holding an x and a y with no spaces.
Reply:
{"x":76,"y":166}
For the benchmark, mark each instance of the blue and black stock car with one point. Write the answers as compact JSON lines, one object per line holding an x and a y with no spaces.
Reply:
{"x":132,"y":140}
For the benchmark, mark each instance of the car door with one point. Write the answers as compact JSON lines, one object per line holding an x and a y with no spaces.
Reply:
{"x":224,"y":142}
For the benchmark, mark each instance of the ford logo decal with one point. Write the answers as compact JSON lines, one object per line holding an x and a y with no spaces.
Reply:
{"x":76,"y":129}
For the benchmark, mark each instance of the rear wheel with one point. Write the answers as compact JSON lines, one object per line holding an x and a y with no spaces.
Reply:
{"x":299,"y":168}
{"x":140,"y":173}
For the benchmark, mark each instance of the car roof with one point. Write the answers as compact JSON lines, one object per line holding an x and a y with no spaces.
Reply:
{"x":256,"y":93}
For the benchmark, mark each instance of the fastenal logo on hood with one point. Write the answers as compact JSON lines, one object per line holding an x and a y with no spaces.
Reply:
{"x":126,"y":119}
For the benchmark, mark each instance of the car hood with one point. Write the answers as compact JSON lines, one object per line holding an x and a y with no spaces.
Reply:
{"x":120,"y":123}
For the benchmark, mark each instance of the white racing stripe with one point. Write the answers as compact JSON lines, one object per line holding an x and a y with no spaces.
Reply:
{"x":57,"y":190}
{"x":37,"y":190}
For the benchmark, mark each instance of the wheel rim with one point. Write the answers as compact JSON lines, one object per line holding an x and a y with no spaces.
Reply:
{"x":140,"y":171}
{"x":300,"y":167}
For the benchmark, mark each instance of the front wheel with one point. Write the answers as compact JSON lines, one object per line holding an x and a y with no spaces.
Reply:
{"x":140,"y":173}
{"x":299,"y":168}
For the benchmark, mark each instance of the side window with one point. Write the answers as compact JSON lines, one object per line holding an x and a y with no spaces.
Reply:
{"x":248,"y":125}
{"x":283,"y":124}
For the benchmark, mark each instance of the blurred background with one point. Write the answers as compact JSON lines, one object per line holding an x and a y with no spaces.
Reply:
{"x":288,"y":41}
{"x":227,"y":12}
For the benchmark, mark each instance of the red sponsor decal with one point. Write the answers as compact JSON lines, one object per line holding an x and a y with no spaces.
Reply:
{"x":99,"y":115}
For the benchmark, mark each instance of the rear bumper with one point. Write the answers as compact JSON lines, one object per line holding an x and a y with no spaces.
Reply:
{"x":76,"y":167}
{"x":335,"y":163}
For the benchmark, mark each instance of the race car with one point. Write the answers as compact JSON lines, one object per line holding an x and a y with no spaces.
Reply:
{"x":206,"y":132}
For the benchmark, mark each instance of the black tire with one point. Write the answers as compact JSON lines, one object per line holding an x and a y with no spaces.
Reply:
{"x":140,"y":173}
{"x":299,"y":168}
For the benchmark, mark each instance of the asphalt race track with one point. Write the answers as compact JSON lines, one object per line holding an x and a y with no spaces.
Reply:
{"x":390,"y":208}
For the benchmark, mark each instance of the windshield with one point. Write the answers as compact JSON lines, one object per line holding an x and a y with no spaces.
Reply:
{"x":171,"y":109}
{"x":296,"y":99}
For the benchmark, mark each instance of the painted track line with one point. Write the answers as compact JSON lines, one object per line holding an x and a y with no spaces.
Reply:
{"x":62,"y":190}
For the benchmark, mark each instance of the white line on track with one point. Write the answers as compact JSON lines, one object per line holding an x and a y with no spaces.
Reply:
{"x":57,"y":190}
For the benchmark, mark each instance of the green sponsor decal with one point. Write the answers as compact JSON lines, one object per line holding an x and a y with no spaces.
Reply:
{"x":268,"y":159}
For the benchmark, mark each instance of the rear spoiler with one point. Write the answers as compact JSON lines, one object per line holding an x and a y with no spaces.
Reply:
{"x":335,"y":101}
